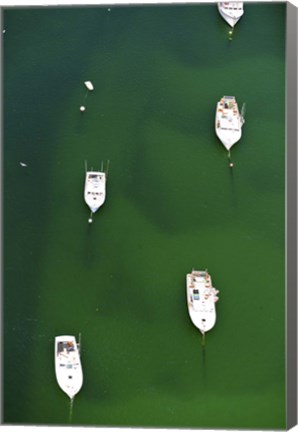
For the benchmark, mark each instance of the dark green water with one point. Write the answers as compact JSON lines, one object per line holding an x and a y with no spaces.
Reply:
{"x":172,"y":204}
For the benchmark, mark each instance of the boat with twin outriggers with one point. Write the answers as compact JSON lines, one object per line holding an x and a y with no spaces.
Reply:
{"x":95,"y":188}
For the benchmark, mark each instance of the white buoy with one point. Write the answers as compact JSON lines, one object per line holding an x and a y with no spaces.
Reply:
{"x":90,"y":220}
{"x":89,"y":85}
{"x":231,"y":165}
{"x":82,"y":108}
{"x":3,"y":31}
{"x":109,"y":9}
{"x":23,"y":164}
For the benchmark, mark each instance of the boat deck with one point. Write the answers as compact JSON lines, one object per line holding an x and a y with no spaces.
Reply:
{"x":228,"y":117}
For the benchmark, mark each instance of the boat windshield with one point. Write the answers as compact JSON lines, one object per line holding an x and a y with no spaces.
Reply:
{"x":230,"y":129}
{"x":196,"y":294}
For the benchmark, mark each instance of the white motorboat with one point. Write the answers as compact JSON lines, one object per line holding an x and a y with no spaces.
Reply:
{"x":68,"y":366}
{"x":228,"y":121}
{"x":201,"y":299}
{"x":89,"y":85}
{"x":231,"y":11}
{"x":95,"y":188}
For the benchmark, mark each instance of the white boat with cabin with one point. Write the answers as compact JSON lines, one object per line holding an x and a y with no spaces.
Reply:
{"x":231,"y":11}
{"x":95,"y":189}
{"x":228,"y":121}
{"x":201,"y":299}
{"x":68,"y":366}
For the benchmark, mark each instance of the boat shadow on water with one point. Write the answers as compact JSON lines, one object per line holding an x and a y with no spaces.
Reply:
{"x":234,"y":200}
{"x":91,"y":248}
{"x":204,"y":363}
{"x":70,"y":409}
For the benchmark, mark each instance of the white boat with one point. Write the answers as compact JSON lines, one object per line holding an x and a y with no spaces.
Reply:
{"x":68,"y":366}
{"x":228,"y":121}
{"x":231,"y":11}
{"x":95,"y":189}
{"x":89,"y":85}
{"x":201,"y":299}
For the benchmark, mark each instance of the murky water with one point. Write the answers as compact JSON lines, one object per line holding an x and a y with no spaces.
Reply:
{"x":172,"y":204}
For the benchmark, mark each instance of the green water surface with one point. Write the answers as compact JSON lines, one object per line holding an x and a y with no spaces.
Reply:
{"x":172,"y":204}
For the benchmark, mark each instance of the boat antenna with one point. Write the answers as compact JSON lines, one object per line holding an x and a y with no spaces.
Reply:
{"x":90,"y":220}
{"x":243,"y":111}
{"x":79,"y":342}
{"x":107,"y":168}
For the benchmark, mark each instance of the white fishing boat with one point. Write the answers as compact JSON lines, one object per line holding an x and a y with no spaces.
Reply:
{"x":95,"y":188}
{"x":201,"y":299}
{"x":231,"y":11}
{"x":228,"y":121}
{"x":68,"y":366}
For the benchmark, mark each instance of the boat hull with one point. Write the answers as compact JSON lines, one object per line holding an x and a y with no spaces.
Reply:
{"x":228,"y":139}
{"x":68,"y":366}
{"x":231,"y":16}
{"x":95,"y":189}
{"x":201,"y":299}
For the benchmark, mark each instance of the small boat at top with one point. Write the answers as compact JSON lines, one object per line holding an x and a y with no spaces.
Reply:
{"x":68,"y":366}
{"x":228,"y":121}
{"x":201,"y":299}
{"x":231,"y":11}
{"x":89,"y":85}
